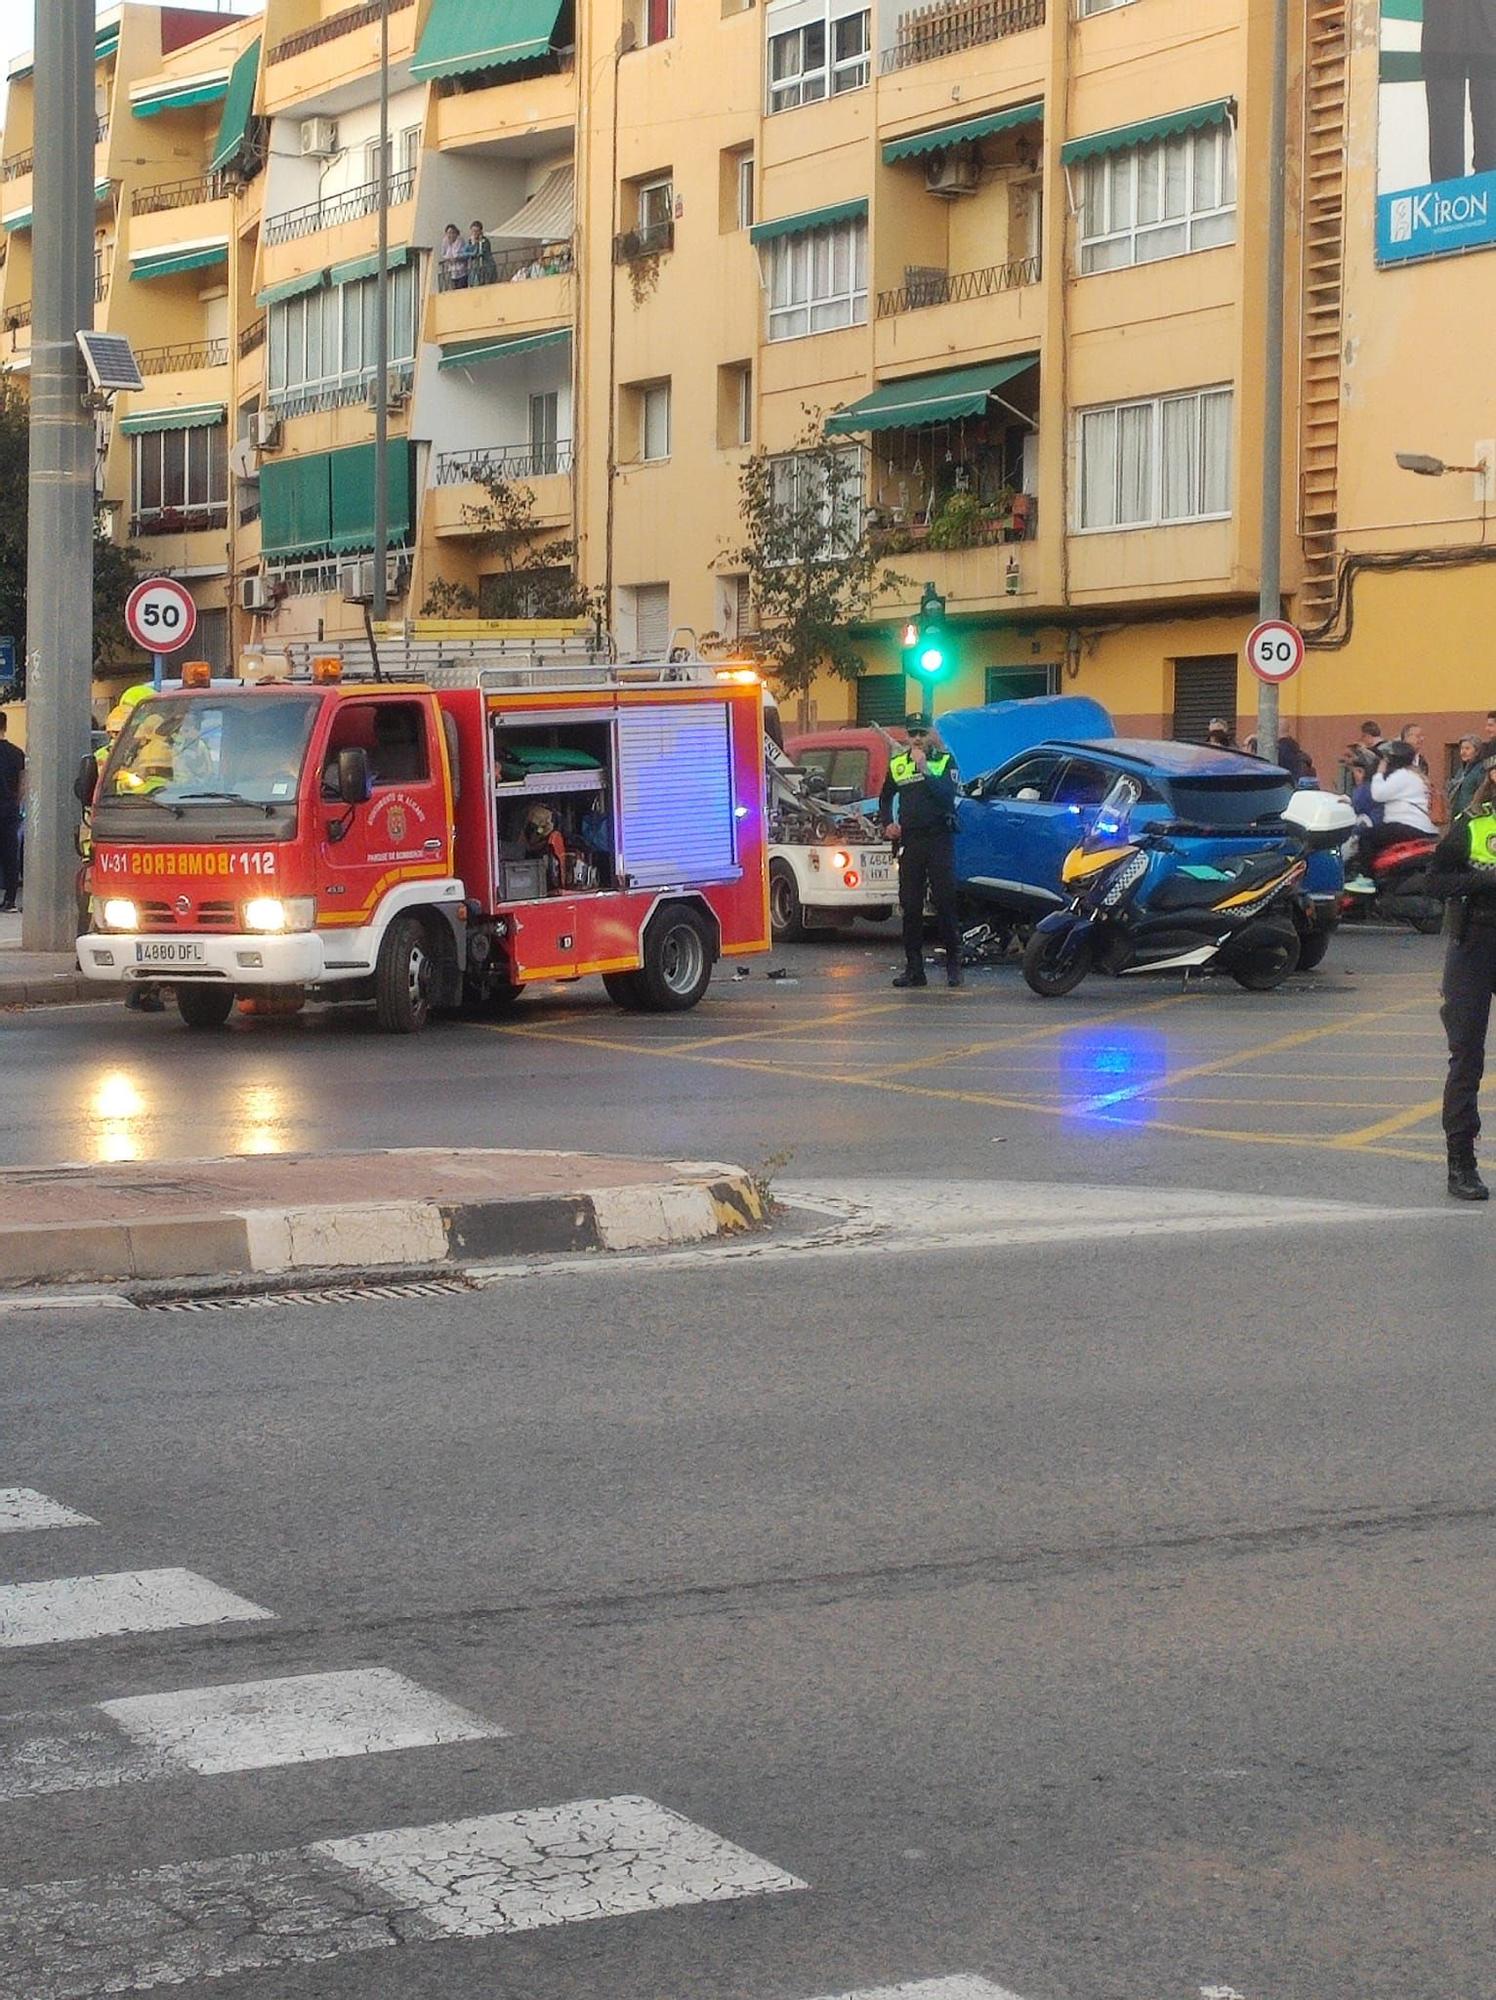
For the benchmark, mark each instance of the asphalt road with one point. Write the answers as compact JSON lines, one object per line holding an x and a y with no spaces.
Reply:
{"x":1060,"y":1562}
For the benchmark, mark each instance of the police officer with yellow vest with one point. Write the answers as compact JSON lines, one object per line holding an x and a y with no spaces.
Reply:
{"x":1463,"y":871}
{"x":918,"y":808}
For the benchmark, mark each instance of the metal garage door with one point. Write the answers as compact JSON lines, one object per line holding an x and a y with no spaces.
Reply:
{"x":1203,"y":688}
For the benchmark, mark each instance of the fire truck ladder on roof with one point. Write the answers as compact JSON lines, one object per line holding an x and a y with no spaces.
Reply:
{"x":495,"y":665}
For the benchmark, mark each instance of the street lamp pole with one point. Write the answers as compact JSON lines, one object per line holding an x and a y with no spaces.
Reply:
{"x":59,"y":555}
{"x":382,"y":336}
{"x":1270,"y":572}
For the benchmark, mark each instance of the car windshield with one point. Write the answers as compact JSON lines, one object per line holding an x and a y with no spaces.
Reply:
{"x":201,"y":751}
{"x":1228,"y":801}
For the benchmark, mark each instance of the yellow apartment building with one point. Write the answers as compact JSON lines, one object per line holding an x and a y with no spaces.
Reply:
{"x":1008,"y":252}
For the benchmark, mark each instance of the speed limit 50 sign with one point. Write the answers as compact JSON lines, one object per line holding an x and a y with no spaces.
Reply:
{"x":160,"y":615}
{"x":1275,"y":650}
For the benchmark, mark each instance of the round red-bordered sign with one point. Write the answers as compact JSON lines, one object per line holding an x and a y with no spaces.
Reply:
{"x":1275,"y":650}
{"x":160,"y":615}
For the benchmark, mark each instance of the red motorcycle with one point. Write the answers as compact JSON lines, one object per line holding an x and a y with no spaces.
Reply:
{"x":1399,"y":894}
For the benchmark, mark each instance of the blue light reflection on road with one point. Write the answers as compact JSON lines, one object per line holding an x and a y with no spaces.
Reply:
{"x":1107,"y":1074}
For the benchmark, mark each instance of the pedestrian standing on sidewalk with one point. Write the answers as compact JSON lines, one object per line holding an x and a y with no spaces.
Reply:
{"x":1468,"y":777}
{"x":918,"y":809}
{"x":1463,"y":872}
{"x":12,"y":795}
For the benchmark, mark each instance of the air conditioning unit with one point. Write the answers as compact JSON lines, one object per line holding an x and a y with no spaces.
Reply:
{"x":256,"y":594}
{"x":265,"y":430}
{"x":955,"y":171}
{"x":396,"y":395}
{"x":356,"y":579}
{"x":319,"y":138}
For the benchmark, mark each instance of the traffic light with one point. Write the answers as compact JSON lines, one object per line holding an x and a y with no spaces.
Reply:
{"x":927,"y":645}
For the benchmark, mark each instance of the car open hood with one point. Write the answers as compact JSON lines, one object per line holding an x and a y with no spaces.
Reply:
{"x":981,"y":739}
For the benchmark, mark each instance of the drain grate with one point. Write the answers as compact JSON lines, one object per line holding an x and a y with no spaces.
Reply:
{"x":322,"y":1295}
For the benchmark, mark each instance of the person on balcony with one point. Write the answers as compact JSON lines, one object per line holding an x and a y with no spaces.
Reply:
{"x":453,"y":259}
{"x":481,"y":268}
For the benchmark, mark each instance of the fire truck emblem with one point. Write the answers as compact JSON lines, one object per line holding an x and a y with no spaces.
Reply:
{"x":184,"y":904}
{"x":396,"y":823}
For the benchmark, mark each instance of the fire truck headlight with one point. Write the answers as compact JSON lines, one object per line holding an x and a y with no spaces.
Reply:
{"x":117,"y":913}
{"x":271,"y":913}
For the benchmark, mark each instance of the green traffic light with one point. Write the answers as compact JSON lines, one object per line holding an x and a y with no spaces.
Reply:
{"x":932,"y":661}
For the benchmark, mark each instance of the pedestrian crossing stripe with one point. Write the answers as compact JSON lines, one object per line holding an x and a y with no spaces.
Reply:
{"x":23,"y":1510}
{"x":960,"y":1988}
{"x":469,"y":1878}
{"x":244,"y":1726}
{"x":98,"y":1607}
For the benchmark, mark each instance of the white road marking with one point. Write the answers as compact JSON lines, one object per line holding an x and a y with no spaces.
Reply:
{"x":23,"y":1509}
{"x":469,"y":1878}
{"x":247,"y":1726}
{"x":962,"y":1987}
{"x":99,"y":1607}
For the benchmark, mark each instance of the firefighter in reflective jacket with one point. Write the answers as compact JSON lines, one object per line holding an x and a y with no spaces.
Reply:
{"x":918,"y":809}
{"x":1464,"y":872}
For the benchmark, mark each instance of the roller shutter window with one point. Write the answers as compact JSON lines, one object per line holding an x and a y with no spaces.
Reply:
{"x":676,"y":820}
{"x":1203,"y":688}
{"x":880,"y":698}
{"x":652,"y":619}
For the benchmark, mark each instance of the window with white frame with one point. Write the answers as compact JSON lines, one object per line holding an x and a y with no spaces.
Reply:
{"x":654,"y":421}
{"x":179,"y":473}
{"x":322,"y":344}
{"x":745,"y":190}
{"x":1167,"y":458}
{"x":817,"y":279}
{"x":816,"y":49}
{"x":831,"y":484}
{"x":1084,"y":7}
{"x":1164,"y":199}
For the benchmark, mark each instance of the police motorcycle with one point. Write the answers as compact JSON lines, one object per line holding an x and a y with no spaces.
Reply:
{"x":1144,"y":903}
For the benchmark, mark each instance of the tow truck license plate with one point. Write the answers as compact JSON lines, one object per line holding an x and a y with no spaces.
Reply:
{"x":168,"y":951}
{"x":876,"y":872}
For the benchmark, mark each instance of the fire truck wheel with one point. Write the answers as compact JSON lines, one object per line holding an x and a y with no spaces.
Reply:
{"x":677,"y":966}
{"x":403,"y":977}
{"x":205,"y":1006}
{"x":624,"y":990}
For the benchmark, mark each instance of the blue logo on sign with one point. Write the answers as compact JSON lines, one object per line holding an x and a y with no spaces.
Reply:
{"x":1432,"y":221}
{"x":7,"y":662}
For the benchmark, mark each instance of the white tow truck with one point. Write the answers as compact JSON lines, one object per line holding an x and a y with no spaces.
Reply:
{"x":828,"y":864}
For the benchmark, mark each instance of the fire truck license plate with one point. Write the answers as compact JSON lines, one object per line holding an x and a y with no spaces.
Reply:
{"x":152,"y":951}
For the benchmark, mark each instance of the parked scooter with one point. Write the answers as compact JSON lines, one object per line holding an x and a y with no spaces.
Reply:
{"x":1398,"y":874}
{"x":1138,"y":908}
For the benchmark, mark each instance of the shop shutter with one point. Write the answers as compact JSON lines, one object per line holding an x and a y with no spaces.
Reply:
{"x":1203,"y":688}
{"x":880,"y":698}
{"x":675,"y":795}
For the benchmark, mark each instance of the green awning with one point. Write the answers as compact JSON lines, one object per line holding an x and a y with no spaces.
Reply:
{"x":813,"y":218}
{"x":291,"y":288}
{"x":20,"y":222}
{"x":465,"y":353}
{"x":928,"y":399}
{"x":188,"y":417}
{"x":352,"y":472}
{"x":466,"y":35}
{"x":238,"y":109}
{"x":168,"y":263}
{"x":1122,"y":138}
{"x":296,"y":505}
{"x":364,"y":267}
{"x":181,"y":96}
{"x":106,"y":41}
{"x":920,"y":143}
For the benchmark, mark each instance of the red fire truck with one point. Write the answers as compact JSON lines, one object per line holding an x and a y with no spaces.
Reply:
{"x":484,"y":816}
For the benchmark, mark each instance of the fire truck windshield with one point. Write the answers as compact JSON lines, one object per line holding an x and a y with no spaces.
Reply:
{"x":192,"y":753}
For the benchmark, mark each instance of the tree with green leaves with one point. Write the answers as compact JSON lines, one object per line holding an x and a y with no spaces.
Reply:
{"x":116,"y":568}
{"x":536,"y":577}
{"x":811,"y":568}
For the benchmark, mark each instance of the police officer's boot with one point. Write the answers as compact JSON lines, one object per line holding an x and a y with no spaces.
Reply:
{"x":1465,"y":1183}
{"x":913,"y":974}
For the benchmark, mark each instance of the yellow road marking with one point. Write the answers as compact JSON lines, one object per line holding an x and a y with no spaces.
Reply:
{"x":1384,"y":1128}
{"x":1031,"y":1035}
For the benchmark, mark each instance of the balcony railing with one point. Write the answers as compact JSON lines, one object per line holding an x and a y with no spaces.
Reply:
{"x":101,"y":129}
{"x":178,"y":520}
{"x":366,"y":16}
{"x":536,"y":260}
{"x":941,"y":288}
{"x":338,"y":208}
{"x":305,"y":399}
{"x":17,"y":316}
{"x":977,"y":526}
{"x":178,"y":194}
{"x":504,"y":462}
{"x":178,"y":359}
{"x":252,"y":337}
{"x":647,"y":241}
{"x":947,"y":27}
{"x":18,"y":165}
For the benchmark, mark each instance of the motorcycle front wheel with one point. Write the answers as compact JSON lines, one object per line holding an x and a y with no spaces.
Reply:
{"x":1054,"y":964}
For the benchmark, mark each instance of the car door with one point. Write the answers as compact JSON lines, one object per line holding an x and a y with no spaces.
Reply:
{"x":1006,"y":834}
{"x":404,"y":831}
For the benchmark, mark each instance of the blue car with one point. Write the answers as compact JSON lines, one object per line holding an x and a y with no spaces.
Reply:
{"x":1034,"y":773}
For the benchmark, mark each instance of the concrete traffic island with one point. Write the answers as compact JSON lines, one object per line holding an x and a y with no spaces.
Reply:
{"x":413,"y":1208}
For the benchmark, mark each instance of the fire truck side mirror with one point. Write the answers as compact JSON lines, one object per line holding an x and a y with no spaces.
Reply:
{"x":355,"y":779}
{"x":85,"y":784}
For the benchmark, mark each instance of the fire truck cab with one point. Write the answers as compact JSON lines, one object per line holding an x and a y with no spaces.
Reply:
{"x":476,"y":820}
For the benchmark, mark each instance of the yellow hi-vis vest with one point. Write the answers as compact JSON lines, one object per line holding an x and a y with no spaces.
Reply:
{"x":1483,"y":841}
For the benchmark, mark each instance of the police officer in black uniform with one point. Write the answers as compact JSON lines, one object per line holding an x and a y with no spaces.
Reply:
{"x":1463,"y":871}
{"x":918,"y":808}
